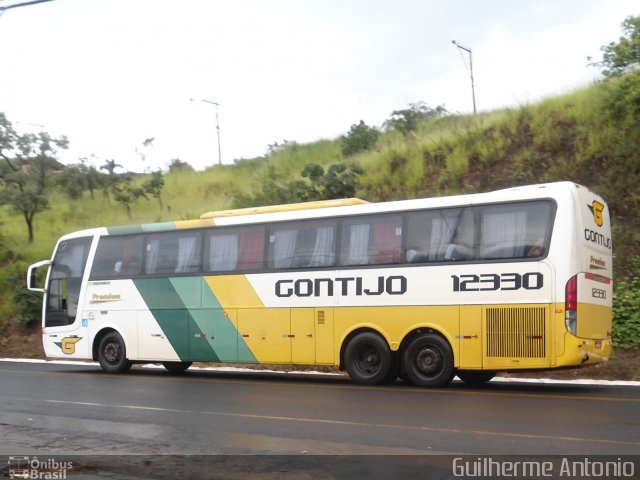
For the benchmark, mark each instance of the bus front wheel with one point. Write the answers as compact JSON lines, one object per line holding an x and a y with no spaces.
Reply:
{"x":176,"y":367}
{"x":112,"y":353}
{"x":428,"y":361}
{"x":367,"y":359}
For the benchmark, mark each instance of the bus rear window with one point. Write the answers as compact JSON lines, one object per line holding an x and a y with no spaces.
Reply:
{"x":519,"y":230}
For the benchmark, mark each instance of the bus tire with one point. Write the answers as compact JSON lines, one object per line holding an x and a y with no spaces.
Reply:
{"x":394,"y":371}
{"x":428,"y":361}
{"x":475,"y":377}
{"x":112,"y":353}
{"x":176,"y":367}
{"x":367,"y":359}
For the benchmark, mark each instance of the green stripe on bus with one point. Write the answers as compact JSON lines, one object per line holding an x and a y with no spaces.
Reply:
{"x":158,"y":227}
{"x":175,"y":320}
{"x":193,"y":320}
{"x":145,"y":227}
{"x":124,"y":229}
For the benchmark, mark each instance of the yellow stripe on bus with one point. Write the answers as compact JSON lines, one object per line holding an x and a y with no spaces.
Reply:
{"x":234,"y":291}
{"x":341,"y":202}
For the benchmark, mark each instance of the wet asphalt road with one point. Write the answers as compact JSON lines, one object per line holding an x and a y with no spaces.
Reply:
{"x":51,"y":408}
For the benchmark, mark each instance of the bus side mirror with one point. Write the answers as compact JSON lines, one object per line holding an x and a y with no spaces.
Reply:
{"x":32,"y":277}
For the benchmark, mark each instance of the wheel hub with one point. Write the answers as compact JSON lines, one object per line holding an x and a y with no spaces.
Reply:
{"x":111,"y":352}
{"x":429,"y":360}
{"x":368,"y":361}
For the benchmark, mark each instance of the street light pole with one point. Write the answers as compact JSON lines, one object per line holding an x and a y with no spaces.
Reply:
{"x":217,"y":126}
{"x":473,"y":92}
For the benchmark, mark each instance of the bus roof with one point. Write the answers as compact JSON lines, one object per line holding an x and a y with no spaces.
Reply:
{"x":341,"y":202}
{"x":348,"y":206}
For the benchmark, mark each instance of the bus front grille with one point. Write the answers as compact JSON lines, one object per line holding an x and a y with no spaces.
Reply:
{"x":516,"y":332}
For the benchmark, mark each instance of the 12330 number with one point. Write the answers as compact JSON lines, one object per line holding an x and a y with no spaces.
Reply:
{"x":492,"y":281}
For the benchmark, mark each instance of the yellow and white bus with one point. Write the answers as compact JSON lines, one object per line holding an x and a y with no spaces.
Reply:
{"x":511,"y":280}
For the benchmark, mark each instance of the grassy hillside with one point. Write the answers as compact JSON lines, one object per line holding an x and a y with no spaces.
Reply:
{"x":590,"y":136}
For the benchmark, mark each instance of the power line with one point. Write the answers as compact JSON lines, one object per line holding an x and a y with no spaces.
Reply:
{"x":23,"y":4}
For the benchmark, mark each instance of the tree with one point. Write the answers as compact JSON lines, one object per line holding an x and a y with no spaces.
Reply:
{"x":110,"y":167}
{"x":622,"y":56}
{"x":177,"y":165}
{"x":361,"y":137}
{"x":154,"y":185}
{"x":92,"y":178}
{"x":29,"y":160}
{"x":71,"y":180}
{"x":406,"y":121}
{"x":127,"y":194}
{"x":74,"y":179}
{"x":275,"y":147}
{"x":339,"y":181}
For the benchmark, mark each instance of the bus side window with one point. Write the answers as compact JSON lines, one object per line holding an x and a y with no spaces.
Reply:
{"x":432,"y":233}
{"x":251,"y":249}
{"x":536,"y":250}
{"x":457,"y":253}
{"x":355,"y":244}
{"x":118,"y":257}
{"x":386,"y":242}
{"x":234,"y":249}
{"x":304,"y":245}
{"x":514,"y":231}
{"x":174,"y":252}
{"x":374,"y":240}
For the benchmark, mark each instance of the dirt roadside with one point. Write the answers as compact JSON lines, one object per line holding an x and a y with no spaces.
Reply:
{"x":623,"y":365}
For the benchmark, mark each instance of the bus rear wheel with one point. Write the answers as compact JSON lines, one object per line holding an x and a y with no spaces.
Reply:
{"x":394,"y":370}
{"x":176,"y":367}
{"x":112,"y":354}
{"x":367,"y":359}
{"x":428,"y":361}
{"x":475,"y":377}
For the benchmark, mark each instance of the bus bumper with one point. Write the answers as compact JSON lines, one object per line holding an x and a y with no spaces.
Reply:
{"x":581,"y":352}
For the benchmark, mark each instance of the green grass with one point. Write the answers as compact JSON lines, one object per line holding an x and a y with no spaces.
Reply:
{"x":590,"y":136}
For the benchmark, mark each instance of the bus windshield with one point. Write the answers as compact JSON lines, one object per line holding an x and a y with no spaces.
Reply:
{"x":65,"y":281}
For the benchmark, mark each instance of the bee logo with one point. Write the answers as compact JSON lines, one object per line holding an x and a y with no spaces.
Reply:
{"x":68,"y":345}
{"x":596,"y":209}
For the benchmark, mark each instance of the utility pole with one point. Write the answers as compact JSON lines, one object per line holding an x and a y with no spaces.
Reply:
{"x":217,"y":126}
{"x":473,"y":92}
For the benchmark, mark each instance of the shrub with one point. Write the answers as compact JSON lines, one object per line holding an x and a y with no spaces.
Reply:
{"x":361,"y":137}
{"x":27,"y":305}
{"x":626,"y":309}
